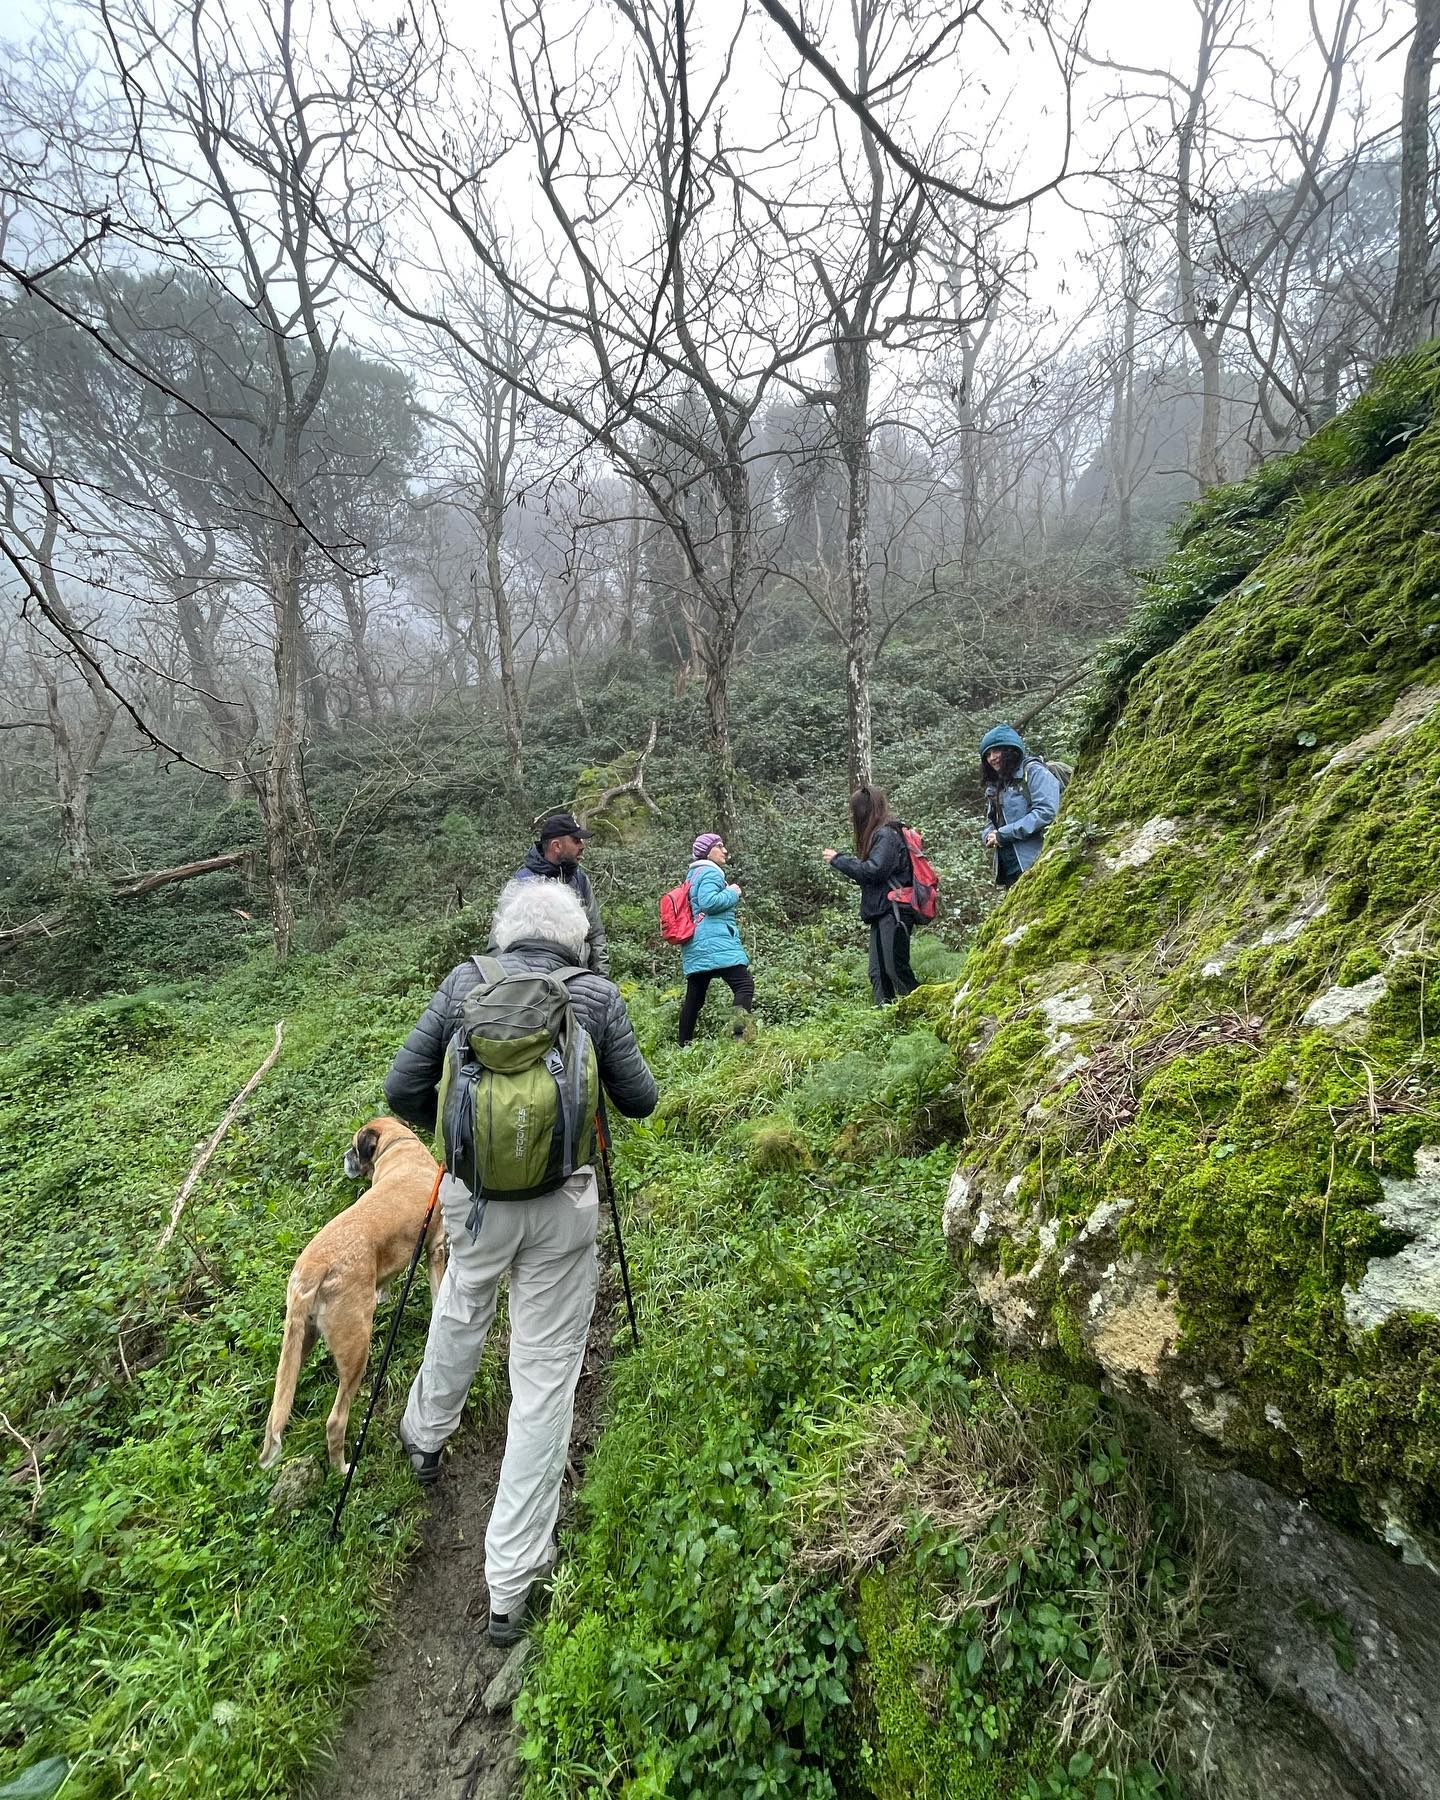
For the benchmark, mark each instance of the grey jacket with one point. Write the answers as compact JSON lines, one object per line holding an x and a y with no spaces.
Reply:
{"x":410,"y":1087}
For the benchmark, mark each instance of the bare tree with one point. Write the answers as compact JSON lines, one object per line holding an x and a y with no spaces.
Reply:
{"x":1226,"y":218}
{"x":1412,"y":308}
{"x":226,"y":130}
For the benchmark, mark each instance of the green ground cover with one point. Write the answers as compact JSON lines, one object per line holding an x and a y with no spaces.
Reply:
{"x":830,"y":1544}
{"x":160,"y":1626}
{"x":721,"y":1627}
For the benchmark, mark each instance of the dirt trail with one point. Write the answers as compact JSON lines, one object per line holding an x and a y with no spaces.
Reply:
{"x":418,"y":1730}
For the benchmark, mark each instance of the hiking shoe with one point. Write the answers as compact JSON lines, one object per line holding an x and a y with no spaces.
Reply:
{"x":506,"y":1629}
{"x":424,"y":1464}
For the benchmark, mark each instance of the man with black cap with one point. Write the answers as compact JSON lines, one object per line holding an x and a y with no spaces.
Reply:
{"x":560,"y":841}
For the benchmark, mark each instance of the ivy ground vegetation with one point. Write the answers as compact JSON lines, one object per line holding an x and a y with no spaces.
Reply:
{"x":832,"y":1542}
{"x":829,"y":1544}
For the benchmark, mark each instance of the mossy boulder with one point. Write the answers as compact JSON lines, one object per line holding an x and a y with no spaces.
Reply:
{"x":1199,"y":1039}
{"x":618,"y":813}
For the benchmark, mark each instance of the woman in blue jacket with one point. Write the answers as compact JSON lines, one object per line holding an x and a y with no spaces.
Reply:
{"x":715,"y":948}
{"x":1022,"y":798}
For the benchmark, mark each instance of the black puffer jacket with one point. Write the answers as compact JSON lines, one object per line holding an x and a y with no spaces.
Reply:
{"x":885,"y":867}
{"x":410,"y":1087}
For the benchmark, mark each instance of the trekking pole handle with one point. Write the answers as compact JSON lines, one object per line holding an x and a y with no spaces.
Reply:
{"x":394,"y":1332}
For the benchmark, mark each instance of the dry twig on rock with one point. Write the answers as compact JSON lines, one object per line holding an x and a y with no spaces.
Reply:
{"x":636,"y":784}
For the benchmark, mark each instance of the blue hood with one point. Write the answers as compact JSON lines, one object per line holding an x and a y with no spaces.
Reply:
{"x":999,"y":735}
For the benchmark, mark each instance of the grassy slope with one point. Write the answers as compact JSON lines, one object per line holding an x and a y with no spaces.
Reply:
{"x":171,"y":1635}
{"x":159,"y":1625}
{"x":831,"y":1546}
{"x":162,"y":1626}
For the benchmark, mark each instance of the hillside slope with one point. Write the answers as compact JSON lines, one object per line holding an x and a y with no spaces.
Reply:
{"x":1200,"y":1037}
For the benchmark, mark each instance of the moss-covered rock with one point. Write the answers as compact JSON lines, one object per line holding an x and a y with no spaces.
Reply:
{"x":1200,"y":1036}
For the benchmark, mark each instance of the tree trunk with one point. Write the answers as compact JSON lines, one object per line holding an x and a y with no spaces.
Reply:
{"x":1122,"y":433}
{"x":315,"y":707}
{"x":275,"y":794}
{"x":290,"y":826}
{"x":352,"y":598}
{"x":225,"y":719}
{"x":572,"y":645}
{"x":1207,"y":449}
{"x":504,"y":636}
{"x":852,"y":417}
{"x":631,"y":585}
{"x":719,"y":648}
{"x":1410,"y":309}
{"x":76,"y":758}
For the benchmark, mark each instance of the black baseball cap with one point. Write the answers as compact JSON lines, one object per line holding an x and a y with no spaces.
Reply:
{"x":559,"y":824}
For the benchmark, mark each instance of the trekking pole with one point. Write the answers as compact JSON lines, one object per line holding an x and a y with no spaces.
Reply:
{"x":602,"y":1137}
{"x":394,"y":1332}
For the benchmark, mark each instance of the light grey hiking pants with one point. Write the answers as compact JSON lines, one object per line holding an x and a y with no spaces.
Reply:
{"x":548,"y":1247}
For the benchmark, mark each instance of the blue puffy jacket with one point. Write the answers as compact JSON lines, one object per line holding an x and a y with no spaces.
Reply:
{"x":1023,"y":808}
{"x":716,"y":943}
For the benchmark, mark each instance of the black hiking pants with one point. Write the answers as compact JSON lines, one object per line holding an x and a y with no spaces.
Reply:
{"x":890,"y":971}
{"x":742,"y":986}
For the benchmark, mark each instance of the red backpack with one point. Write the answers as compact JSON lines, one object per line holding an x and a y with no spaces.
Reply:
{"x":919,"y":899}
{"x":677,"y":916}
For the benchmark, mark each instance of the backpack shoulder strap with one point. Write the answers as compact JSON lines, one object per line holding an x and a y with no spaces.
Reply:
{"x":568,"y":975}
{"x":491,"y":969}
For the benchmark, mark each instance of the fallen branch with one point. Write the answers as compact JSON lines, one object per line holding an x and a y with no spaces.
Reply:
{"x":29,"y":1450}
{"x":635,"y":785}
{"x":231,"y":1114}
{"x":129,"y":887}
{"x":1052,"y":694}
{"x":158,"y":878}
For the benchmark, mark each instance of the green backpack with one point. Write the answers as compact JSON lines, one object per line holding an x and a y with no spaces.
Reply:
{"x":520,"y":1088}
{"x":1062,"y":771}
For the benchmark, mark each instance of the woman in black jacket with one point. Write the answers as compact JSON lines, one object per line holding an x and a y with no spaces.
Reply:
{"x":880,"y":862}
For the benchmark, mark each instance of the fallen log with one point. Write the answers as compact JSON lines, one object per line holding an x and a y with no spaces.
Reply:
{"x":129,"y":887}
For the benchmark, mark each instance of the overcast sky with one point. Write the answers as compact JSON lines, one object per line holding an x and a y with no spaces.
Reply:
{"x":1011,"y":109}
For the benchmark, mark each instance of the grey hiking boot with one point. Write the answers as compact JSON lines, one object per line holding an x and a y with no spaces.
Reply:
{"x":424,"y":1464}
{"x":742,"y":1025}
{"x":508,"y":1628}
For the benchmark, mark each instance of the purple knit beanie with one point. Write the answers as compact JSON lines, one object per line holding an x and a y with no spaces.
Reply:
{"x":704,"y":844}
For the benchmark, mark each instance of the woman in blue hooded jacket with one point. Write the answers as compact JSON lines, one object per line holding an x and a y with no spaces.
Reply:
{"x":715,"y":948}
{"x":1022,"y":798}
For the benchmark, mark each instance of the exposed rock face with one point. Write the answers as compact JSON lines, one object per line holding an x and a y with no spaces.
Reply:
{"x":1336,"y":1635}
{"x":1339,"y":1005}
{"x":1409,"y":1281}
{"x":1203,"y":1088}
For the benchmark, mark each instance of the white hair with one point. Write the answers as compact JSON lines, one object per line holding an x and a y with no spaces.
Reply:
{"x":540,"y":911}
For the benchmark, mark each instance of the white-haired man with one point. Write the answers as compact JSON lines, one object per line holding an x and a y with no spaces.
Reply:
{"x":546,"y":1244}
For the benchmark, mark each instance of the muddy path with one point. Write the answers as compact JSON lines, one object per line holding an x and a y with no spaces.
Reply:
{"x":420,"y":1729}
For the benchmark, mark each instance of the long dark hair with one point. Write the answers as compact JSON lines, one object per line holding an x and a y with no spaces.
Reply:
{"x":990,"y":781}
{"x":869,"y":810}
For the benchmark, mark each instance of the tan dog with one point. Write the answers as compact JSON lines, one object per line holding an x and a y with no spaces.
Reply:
{"x":335,"y":1283}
